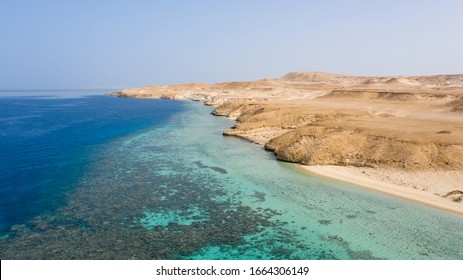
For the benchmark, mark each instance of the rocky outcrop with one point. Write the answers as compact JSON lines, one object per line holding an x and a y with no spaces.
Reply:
{"x":455,"y":195}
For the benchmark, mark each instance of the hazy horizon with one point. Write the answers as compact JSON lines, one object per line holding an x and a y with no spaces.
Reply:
{"x":119,"y":44}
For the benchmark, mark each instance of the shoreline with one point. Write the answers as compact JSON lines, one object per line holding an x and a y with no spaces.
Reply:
{"x":399,"y":135}
{"x":370,"y":179}
{"x":423,"y":192}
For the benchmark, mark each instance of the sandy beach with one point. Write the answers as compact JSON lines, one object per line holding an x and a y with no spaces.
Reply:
{"x":431,"y":188}
{"x":400,"y":135}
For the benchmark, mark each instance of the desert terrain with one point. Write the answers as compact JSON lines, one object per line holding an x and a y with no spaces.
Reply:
{"x":401,"y":135}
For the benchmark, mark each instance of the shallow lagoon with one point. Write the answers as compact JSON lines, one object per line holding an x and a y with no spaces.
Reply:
{"x":180,"y":190}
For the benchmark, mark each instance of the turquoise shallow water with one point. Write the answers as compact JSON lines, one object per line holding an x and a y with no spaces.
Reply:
{"x":181,"y":190}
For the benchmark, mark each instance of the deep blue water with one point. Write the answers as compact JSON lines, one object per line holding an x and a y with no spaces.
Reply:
{"x":46,"y":142}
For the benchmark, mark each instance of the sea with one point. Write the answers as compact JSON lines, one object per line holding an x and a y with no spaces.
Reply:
{"x":88,"y":176}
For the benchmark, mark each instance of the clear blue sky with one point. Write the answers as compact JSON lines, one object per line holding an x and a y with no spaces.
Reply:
{"x":88,"y":44}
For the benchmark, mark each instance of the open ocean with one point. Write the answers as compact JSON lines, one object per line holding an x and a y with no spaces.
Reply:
{"x":87,"y":176}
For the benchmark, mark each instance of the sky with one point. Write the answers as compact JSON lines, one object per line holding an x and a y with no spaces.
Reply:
{"x":70,"y":44}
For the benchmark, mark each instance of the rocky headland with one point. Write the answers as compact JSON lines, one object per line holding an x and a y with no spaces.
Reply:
{"x":401,"y":135}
